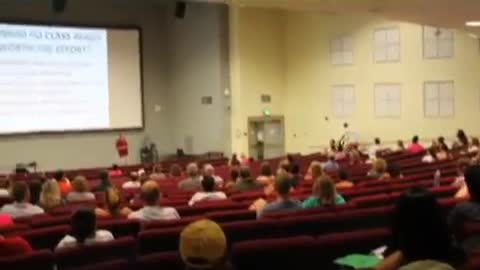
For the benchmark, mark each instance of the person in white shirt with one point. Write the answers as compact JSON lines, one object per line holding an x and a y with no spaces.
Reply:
{"x":209,"y":170}
{"x":84,"y":231}
{"x":80,"y":191}
{"x":150,"y":194}
{"x":208,"y":193}
{"x":474,"y":146}
{"x":21,"y":206}
{"x":134,"y":181}
{"x":350,"y":137}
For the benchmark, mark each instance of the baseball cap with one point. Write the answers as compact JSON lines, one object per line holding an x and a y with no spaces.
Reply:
{"x":202,"y":244}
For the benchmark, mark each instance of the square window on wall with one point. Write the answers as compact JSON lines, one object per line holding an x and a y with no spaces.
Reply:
{"x":439,"y":99}
{"x":388,"y":100}
{"x":343,"y":100}
{"x":438,"y":42}
{"x":341,"y":50}
{"x":386,"y":45}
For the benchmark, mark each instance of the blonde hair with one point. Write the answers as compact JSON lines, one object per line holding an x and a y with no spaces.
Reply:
{"x":80,"y":184}
{"x":380,"y":166}
{"x":113,"y":200}
{"x":192,"y":169}
{"x":50,"y":196}
{"x":324,"y":189}
{"x":316,"y":170}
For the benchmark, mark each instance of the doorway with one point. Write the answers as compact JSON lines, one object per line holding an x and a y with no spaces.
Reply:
{"x":266,"y":137}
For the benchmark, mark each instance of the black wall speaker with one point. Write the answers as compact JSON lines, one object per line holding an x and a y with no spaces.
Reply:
{"x":180,"y":9}
{"x":59,"y":6}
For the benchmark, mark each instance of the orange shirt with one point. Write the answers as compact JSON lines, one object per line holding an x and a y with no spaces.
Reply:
{"x":65,"y":186}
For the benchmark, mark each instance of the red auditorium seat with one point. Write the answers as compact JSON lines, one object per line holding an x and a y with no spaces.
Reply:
{"x":232,"y":215}
{"x":124,"y":248}
{"x":444,"y":192}
{"x":159,"y":240}
{"x":42,"y":259}
{"x":184,"y":221}
{"x":248,"y":230}
{"x":283,"y":253}
{"x":14,"y":229}
{"x":110,"y":265}
{"x":473,"y":264}
{"x":121,"y":227}
{"x":372,"y":201}
{"x":46,"y":238}
{"x":312,"y":211}
{"x":336,"y":245}
{"x":165,"y":260}
{"x":47,"y":221}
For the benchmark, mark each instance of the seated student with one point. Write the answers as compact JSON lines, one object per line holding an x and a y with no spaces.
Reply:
{"x":333,"y":148}
{"x":150,"y":194}
{"x":63,"y":182}
{"x":50,"y":196}
{"x":331,"y":165}
{"x":157,"y":173}
{"x":5,"y":187}
{"x":80,"y":191}
{"x":400,"y":146}
{"x":314,"y":171}
{"x":343,"y":179}
{"x":475,"y":146}
{"x":379,"y":169}
{"x":283,"y":185}
{"x":420,"y":233}
{"x":115,"y":171}
{"x":193,"y":182}
{"x":84,"y":231}
{"x":296,"y":175}
{"x":21,"y":206}
{"x":208,"y":193}
{"x":415,"y":147}
{"x":324,"y":194}
{"x":394,"y":171}
{"x":340,"y":154}
{"x":234,"y":177}
{"x":431,"y":156}
{"x":209,"y":170}
{"x":14,"y":246}
{"x":113,"y":205}
{"x":468,"y":211}
{"x":459,"y":183}
{"x":245,"y":181}
{"x":176,"y":171}
{"x":462,"y":142}
{"x":133,"y":182}
{"x":266,"y":176}
{"x":104,"y":182}
{"x":203,"y":245}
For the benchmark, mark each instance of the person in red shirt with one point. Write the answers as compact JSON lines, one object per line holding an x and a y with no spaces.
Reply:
{"x":14,"y":246}
{"x":63,"y":182}
{"x":122,"y":148}
{"x":415,"y":147}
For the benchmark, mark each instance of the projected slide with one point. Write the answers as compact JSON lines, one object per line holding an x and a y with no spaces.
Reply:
{"x":62,"y":79}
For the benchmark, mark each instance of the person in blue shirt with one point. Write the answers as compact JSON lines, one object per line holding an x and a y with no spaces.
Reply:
{"x":324,"y":194}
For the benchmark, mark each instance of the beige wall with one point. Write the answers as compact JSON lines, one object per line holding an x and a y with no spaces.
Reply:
{"x":257,"y":58}
{"x":310,"y":76}
{"x":289,"y":53}
{"x":96,"y":149}
{"x":198,"y":66}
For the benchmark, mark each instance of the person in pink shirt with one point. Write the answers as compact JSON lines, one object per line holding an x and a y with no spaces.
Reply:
{"x":415,"y":147}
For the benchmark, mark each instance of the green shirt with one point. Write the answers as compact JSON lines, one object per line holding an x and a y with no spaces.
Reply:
{"x":313,"y":201}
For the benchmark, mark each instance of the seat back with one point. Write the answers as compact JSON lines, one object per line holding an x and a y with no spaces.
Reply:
{"x":121,"y":228}
{"x":46,"y":238}
{"x":283,"y":253}
{"x":153,"y":241}
{"x":164,"y":260}
{"x":110,"y":265}
{"x":124,"y":248}
{"x":42,"y":259}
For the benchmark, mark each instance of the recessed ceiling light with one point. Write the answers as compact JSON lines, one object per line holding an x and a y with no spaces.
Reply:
{"x":473,"y":23}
